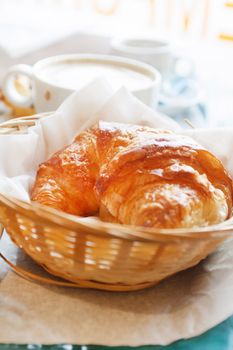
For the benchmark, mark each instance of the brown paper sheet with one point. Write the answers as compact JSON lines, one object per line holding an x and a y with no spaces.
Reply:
{"x":182,"y":306}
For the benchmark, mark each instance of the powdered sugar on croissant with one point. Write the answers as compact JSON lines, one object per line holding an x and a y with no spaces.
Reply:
{"x":138,"y":176}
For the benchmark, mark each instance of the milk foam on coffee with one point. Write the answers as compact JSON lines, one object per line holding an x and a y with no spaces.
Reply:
{"x":75,"y":74}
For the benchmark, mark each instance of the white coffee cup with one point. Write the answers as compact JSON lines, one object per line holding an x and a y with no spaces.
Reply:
{"x":157,"y":52}
{"x":55,"y":78}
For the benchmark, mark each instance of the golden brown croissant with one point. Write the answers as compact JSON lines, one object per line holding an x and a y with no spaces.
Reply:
{"x":138,"y":176}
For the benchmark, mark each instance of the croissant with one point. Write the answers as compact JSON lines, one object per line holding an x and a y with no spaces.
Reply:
{"x":136,"y":175}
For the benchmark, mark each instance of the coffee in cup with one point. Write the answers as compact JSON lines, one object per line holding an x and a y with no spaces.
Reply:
{"x":55,"y":78}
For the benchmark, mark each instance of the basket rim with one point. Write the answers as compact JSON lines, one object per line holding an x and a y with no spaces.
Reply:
{"x":128,"y":232}
{"x":116,"y":230}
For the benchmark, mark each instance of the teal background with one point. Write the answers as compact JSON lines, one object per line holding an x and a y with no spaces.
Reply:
{"x":218,"y":338}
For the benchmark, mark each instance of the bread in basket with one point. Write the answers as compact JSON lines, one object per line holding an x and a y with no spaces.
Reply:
{"x":97,"y":254}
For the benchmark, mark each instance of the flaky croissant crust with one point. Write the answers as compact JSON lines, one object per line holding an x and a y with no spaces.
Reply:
{"x":138,"y":176}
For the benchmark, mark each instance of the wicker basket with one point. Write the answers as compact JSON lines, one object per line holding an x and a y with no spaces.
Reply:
{"x":101,"y":255}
